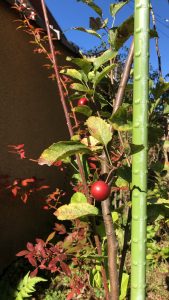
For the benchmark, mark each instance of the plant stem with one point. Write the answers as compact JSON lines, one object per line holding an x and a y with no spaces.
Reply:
{"x":62,"y":98}
{"x":124,"y":79}
{"x":111,"y":241}
{"x":139,"y":160}
{"x":156,"y":41}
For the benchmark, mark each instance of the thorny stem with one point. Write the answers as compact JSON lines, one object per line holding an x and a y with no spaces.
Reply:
{"x":62,"y":98}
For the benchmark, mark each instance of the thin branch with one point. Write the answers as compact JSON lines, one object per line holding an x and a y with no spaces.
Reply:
{"x":112,"y":244}
{"x":62,"y":98}
{"x":124,"y":79}
{"x":156,"y":42}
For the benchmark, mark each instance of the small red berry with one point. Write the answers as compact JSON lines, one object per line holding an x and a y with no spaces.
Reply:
{"x":82,"y":101}
{"x":100,"y":190}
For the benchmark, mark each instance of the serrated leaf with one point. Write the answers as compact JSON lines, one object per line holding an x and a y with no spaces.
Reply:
{"x":81,"y":88}
{"x":72,"y":73}
{"x":99,"y":129}
{"x":102,"y":74}
{"x":75,"y":210}
{"x":61,"y":150}
{"x":78,"y":198}
{"x":90,"y":31}
{"x":26,"y":286}
{"x":92,"y":143}
{"x":102,"y":59}
{"x":84,"y":110}
{"x":114,"y":8}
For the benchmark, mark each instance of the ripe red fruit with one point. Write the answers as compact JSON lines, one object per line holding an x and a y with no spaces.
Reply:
{"x":100,"y":190}
{"x":82,"y":101}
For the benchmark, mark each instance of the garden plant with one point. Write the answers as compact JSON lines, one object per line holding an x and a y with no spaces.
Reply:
{"x":116,"y":160}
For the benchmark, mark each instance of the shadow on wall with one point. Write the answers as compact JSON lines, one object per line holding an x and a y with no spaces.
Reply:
{"x":31,"y":114}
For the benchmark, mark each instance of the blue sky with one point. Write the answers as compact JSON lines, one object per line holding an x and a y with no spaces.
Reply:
{"x":70,"y":13}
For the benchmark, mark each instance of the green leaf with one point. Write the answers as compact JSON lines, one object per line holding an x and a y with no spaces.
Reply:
{"x":92,"y":5}
{"x":81,"y":88}
{"x":102,"y":74}
{"x":75,"y":210}
{"x":84,"y":110}
{"x":78,"y":198}
{"x":166,"y":109}
{"x":83,"y":63}
{"x":124,"y":286}
{"x":125,"y":173}
{"x":61,"y":150}
{"x":120,"y":121}
{"x":119,"y":35}
{"x":114,"y":8}
{"x":90,"y":31}
{"x":99,"y":129}
{"x":102,"y":59}
{"x":72,"y":73}
{"x":120,"y":182}
{"x":160,"y":88}
{"x":26,"y":286}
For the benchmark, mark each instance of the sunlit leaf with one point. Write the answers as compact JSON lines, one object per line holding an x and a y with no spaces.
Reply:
{"x":103,"y":73}
{"x":105,"y":57}
{"x":83,"y":63}
{"x":75,"y":210}
{"x":124,"y":286}
{"x":90,"y":31}
{"x":92,"y":5}
{"x":114,"y":8}
{"x":78,"y":198}
{"x":72,"y":73}
{"x":99,"y":129}
{"x":61,"y":150}
{"x":81,"y":88}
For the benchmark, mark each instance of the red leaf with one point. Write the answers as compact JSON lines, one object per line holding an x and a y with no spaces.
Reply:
{"x":65,"y":268}
{"x":70,"y":295}
{"x":34,"y":273}
{"x":24,"y":198}
{"x":15,"y":190}
{"x":17,"y":147}
{"x":30,"y":246}
{"x":26,"y":181}
{"x":32,"y":260}
{"x":22,"y":253}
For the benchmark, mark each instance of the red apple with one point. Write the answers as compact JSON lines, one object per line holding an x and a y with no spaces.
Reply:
{"x":82,"y":101}
{"x":100,"y":190}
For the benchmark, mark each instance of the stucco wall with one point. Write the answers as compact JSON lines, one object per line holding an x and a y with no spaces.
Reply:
{"x":30,"y":113}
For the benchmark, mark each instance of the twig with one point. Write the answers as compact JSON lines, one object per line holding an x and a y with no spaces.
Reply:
{"x":62,"y":98}
{"x":124,"y":79}
{"x":111,"y":242}
{"x":156,"y":42}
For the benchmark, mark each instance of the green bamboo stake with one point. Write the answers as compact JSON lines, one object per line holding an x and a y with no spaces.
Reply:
{"x":139,"y":160}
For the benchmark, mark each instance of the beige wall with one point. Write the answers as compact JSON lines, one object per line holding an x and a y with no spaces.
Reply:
{"x":30,"y":113}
